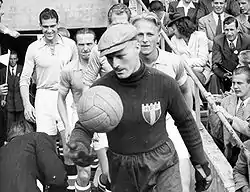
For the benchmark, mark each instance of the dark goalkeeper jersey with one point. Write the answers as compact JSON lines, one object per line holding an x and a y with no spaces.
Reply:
{"x":147,"y":96}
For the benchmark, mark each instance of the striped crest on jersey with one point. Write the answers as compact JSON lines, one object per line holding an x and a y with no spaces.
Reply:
{"x":151,"y":112}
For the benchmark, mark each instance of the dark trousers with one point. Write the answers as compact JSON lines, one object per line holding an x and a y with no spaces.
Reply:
{"x":153,"y":171}
{"x":218,"y":85}
{"x":14,"y":116}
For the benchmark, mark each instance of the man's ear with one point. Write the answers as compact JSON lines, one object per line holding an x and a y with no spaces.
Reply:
{"x":138,"y":46}
{"x":159,"y":37}
{"x":238,"y":29}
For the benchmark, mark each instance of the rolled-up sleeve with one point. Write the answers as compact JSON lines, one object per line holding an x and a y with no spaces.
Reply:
{"x":181,"y":75}
{"x":28,"y":67}
{"x":64,"y":85}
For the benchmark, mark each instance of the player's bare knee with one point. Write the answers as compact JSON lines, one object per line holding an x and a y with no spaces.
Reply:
{"x":84,"y":174}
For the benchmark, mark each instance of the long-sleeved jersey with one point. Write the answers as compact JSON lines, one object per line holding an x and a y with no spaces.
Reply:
{"x":147,"y":96}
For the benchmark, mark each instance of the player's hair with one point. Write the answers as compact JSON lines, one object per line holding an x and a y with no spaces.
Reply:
{"x":19,"y":128}
{"x":243,"y":70}
{"x":64,"y":32}
{"x":85,"y":31}
{"x":151,"y":17}
{"x":155,"y":6}
{"x":118,"y":9}
{"x":230,"y":20}
{"x":48,"y":14}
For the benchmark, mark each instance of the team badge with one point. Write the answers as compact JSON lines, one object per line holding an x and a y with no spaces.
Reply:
{"x":151,"y":112}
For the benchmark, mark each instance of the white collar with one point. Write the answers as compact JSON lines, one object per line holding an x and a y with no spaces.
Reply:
{"x":216,"y":17}
{"x":190,"y":5}
{"x":244,"y":102}
{"x":234,"y":42}
{"x":13,"y":67}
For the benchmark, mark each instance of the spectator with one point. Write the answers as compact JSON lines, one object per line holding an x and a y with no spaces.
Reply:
{"x":188,"y":8}
{"x":13,"y":101}
{"x":3,"y":28}
{"x":226,"y":48}
{"x":232,"y":7}
{"x":191,"y":44}
{"x":236,"y":108}
{"x":244,"y":58}
{"x":244,"y":17}
{"x":29,"y":156}
{"x":158,"y":8}
{"x":211,"y":24}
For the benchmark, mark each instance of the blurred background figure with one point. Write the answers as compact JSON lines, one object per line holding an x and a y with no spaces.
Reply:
{"x":13,"y":101}
{"x":3,"y":28}
{"x":194,"y":10}
{"x":157,"y":7}
{"x":244,"y":58}
{"x":244,"y":17}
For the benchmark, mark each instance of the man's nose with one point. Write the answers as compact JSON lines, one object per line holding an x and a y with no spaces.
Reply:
{"x":49,"y":29}
{"x":145,"y":38}
{"x":85,"y":48}
{"x":115,"y":62}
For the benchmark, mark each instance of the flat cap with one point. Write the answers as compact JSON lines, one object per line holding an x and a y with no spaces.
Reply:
{"x":115,"y":37}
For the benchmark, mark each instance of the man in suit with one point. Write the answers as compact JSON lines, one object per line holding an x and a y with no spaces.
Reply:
{"x":236,"y":108}
{"x":13,"y":101}
{"x":157,"y":7}
{"x":225,"y":55}
{"x":188,"y":8}
{"x":244,"y":17}
{"x":211,"y":24}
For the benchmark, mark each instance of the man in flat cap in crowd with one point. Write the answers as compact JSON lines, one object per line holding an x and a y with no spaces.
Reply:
{"x":141,"y":155}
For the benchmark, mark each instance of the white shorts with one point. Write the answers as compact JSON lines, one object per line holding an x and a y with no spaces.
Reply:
{"x":176,"y":138}
{"x":99,"y":141}
{"x":47,"y":116}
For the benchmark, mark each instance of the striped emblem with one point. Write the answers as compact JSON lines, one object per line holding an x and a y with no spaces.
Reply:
{"x":151,"y":112}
